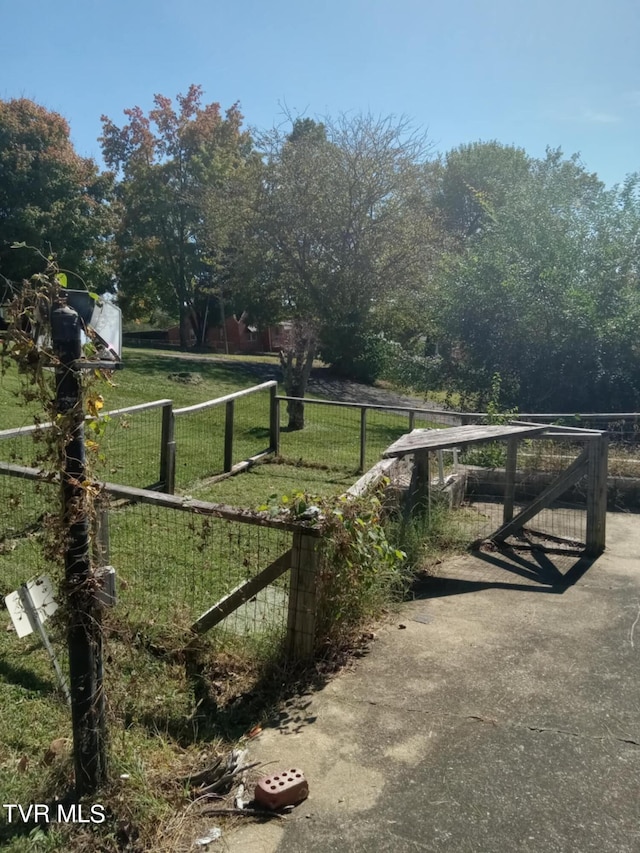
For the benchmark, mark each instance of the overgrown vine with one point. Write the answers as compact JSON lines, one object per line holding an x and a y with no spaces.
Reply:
{"x":26,"y":345}
{"x":362,"y":570}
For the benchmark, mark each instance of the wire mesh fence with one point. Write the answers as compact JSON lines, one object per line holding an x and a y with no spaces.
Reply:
{"x":199,"y":437}
{"x":130,"y":449}
{"x":623,"y":430}
{"x":27,"y":507}
{"x":124,"y":445}
{"x":174,"y":565}
{"x":538,"y":463}
{"x":174,"y":561}
{"x":211,"y":437}
{"x":347,"y":436}
{"x":546,"y":492}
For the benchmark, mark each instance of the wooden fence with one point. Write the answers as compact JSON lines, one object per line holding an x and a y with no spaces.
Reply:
{"x":301,"y":559}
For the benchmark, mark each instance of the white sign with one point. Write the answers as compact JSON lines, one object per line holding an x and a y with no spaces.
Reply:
{"x":41,"y":593}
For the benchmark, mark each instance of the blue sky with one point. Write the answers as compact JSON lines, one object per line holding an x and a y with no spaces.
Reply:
{"x":544,"y":72}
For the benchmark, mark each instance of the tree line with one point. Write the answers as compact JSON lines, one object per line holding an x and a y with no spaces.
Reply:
{"x":439,"y":271}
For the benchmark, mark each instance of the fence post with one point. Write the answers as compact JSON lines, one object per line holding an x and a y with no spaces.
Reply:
{"x":510,"y":479}
{"x":274,"y":421}
{"x":168,"y":450}
{"x":418,"y":497}
{"x":597,"y":495}
{"x":84,"y":620}
{"x":412,"y":420}
{"x":228,"y":436}
{"x":303,"y":589}
{"x":363,"y":439}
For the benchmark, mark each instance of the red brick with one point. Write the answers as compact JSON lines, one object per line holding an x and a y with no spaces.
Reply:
{"x":282,"y":788}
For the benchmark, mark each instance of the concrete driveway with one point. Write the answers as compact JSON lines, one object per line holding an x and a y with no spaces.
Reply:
{"x":499,"y":711}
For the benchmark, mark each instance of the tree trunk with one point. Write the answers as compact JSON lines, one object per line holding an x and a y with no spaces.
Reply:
{"x":185,"y":327}
{"x":296,"y":363}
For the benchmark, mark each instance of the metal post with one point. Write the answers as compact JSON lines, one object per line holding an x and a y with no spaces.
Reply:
{"x":363,"y":439}
{"x":84,"y":625}
{"x":168,"y":450}
{"x":274,"y":421}
{"x":228,"y":437}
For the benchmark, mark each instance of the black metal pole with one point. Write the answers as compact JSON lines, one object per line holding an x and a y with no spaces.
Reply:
{"x":84,"y":625}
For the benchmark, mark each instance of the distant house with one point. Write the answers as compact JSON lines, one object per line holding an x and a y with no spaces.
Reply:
{"x":237,"y":336}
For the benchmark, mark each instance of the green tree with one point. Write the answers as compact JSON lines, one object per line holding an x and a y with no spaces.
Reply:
{"x":50,"y":197}
{"x":180,"y":176}
{"x":474,"y":182}
{"x":339,"y":236}
{"x":544,"y":291}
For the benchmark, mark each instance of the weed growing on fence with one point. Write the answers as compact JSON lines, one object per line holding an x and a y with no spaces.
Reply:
{"x":361,"y":570}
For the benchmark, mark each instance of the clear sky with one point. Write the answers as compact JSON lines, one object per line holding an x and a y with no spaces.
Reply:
{"x":529,"y":72}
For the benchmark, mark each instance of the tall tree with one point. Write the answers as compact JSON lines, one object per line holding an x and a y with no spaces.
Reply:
{"x":544,"y":292}
{"x":340,"y":234}
{"x":474,"y":182}
{"x":50,"y":197}
{"x":179,"y":172}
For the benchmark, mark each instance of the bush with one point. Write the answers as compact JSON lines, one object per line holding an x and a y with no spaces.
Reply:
{"x":355,"y":353}
{"x":414,"y":372}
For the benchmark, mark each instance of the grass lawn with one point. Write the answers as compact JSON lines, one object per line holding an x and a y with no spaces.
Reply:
{"x":254,"y":487}
{"x":129,"y":451}
{"x":145,"y":377}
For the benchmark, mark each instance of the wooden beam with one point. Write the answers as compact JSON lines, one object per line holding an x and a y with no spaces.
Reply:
{"x":238,"y":468}
{"x":228,"y":436}
{"x":560,"y":433}
{"x":417,"y":500}
{"x":218,"y":401}
{"x":597,"y":496}
{"x":568,"y":478}
{"x":115,"y":413}
{"x":168,"y":450}
{"x":577,"y":431}
{"x":441,"y":439}
{"x":274,"y":420}
{"x":242,"y":593}
{"x":510,"y":479}
{"x":303,"y":598}
{"x":373,"y":475}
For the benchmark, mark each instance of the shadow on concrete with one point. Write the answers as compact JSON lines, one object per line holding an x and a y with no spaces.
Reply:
{"x":507,"y":568}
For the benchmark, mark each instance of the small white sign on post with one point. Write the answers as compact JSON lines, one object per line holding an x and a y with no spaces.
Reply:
{"x":29,"y":607}
{"x":44,"y":604}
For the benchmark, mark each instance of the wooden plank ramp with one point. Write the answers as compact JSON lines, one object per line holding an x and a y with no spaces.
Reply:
{"x":440,"y":439}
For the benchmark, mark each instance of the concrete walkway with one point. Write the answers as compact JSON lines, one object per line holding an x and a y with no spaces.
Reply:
{"x":499,"y":712}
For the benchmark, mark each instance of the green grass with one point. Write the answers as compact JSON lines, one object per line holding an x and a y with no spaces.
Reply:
{"x":257,"y":485}
{"x":129,"y":450}
{"x":145,"y":377}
